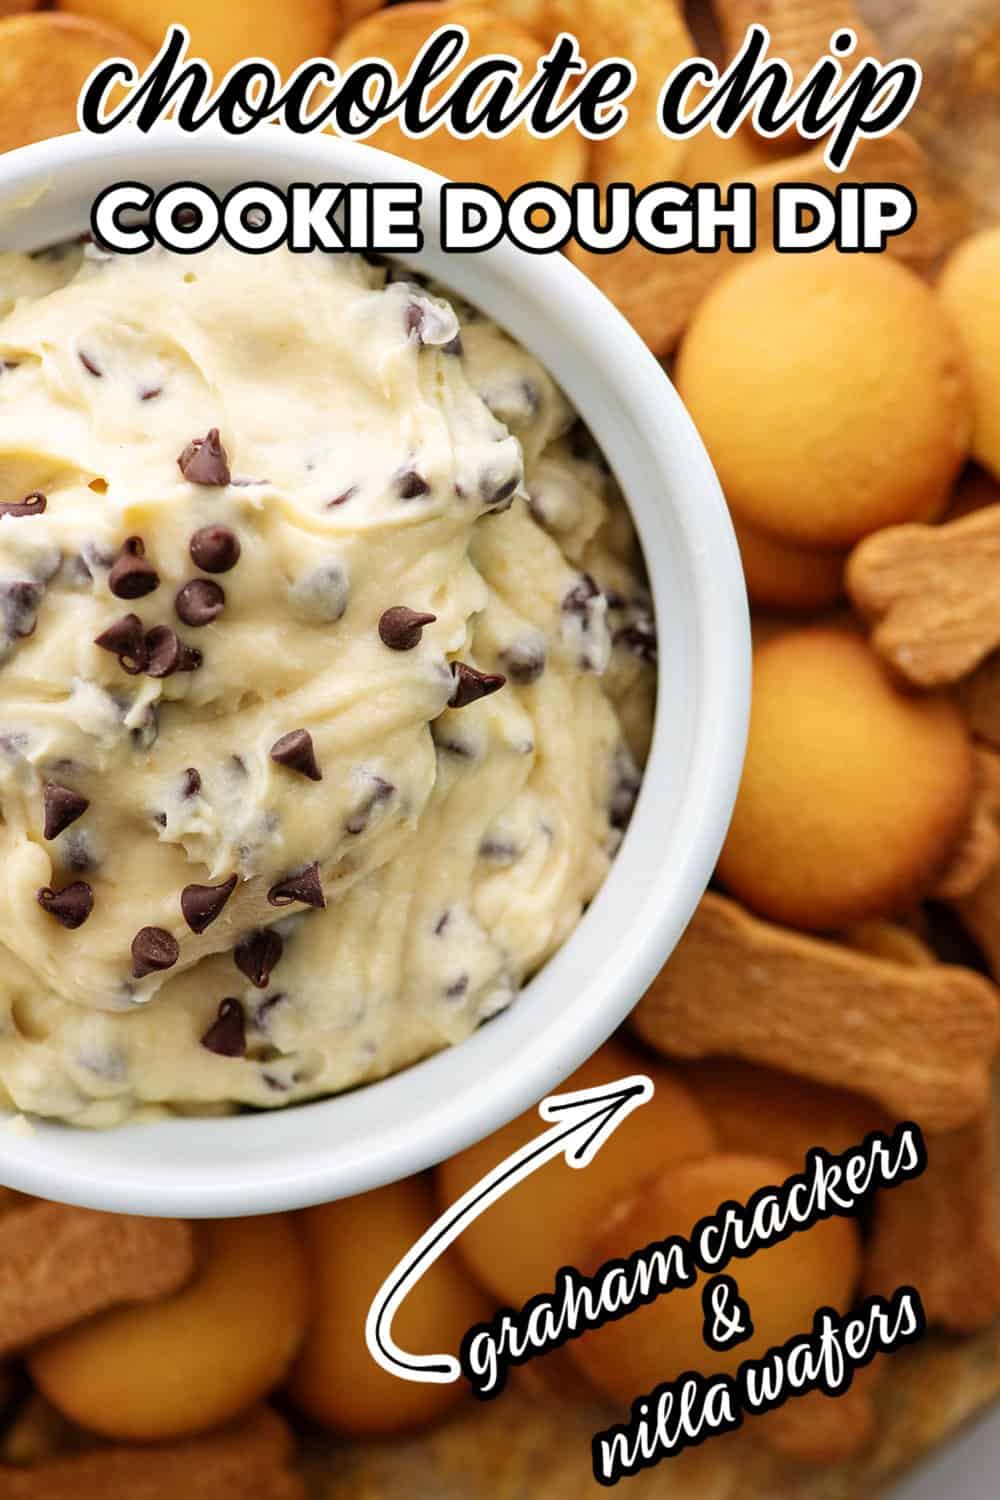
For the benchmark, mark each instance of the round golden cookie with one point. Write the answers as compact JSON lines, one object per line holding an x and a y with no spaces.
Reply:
{"x":970,"y":289}
{"x":784,"y":1284}
{"x":397,"y":34}
{"x":854,"y":792}
{"x":831,"y":393}
{"x":780,"y":575}
{"x":352,"y":1246}
{"x":196,"y":1359}
{"x":45,"y":59}
{"x":224,"y":33}
{"x":519,"y":1244}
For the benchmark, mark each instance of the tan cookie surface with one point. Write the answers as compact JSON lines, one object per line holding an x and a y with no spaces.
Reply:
{"x":928,"y":592}
{"x":917,"y":1040}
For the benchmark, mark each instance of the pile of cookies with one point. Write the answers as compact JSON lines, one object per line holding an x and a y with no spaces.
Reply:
{"x":136,"y":1355}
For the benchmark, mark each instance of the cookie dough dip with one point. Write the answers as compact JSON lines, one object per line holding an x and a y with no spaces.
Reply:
{"x":325,"y":674}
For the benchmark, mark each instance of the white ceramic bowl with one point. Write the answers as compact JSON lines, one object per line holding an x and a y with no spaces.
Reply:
{"x":313,"y":1152}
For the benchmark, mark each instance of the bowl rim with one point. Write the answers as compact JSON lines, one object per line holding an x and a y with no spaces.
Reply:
{"x":110,"y":1172}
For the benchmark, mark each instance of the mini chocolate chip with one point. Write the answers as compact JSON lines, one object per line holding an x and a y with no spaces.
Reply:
{"x":457,"y":748}
{"x":200,"y":602}
{"x":498,"y":851}
{"x":215,"y":549}
{"x":150,"y":392}
{"x":201,"y":904}
{"x":145,"y":735}
{"x":295,"y":750}
{"x":578,"y":600}
{"x":410,"y":485}
{"x":153,"y":949}
{"x":62,"y":807}
{"x":442,"y":922}
{"x":71,"y":906}
{"x":320,"y":596}
{"x":227,"y":1034}
{"x":639,"y":638}
{"x":204,"y":461}
{"x":90,"y":364}
{"x":343,"y":497}
{"x":262,"y":1013}
{"x":124,"y":638}
{"x":305,"y":887}
{"x":257,"y":954}
{"x":381,"y":791}
{"x":413,"y":318}
{"x":524,"y":661}
{"x":498,"y":496}
{"x":456,"y":990}
{"x":20,"y":601}
{"x":625,"y":789}
{"x":32,"y":505}
{"x":471,"y":685}
{"x":401,"y":628}
{"x":160,"y":819}
{"x":79,"y":856}
{"x":131,"y":576}
{"x":165,"y":654}
{"x":191,"y":783}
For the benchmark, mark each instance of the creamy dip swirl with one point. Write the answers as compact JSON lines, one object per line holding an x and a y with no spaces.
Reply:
{"x":272,"y":530}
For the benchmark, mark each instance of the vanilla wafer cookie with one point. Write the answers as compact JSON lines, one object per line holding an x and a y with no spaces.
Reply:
{"x":929,"y":593}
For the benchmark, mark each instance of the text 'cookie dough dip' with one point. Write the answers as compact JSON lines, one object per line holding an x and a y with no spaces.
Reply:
{"x":324,"y":677}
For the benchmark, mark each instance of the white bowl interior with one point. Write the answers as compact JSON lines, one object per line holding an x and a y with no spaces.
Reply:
{"x":336,"y":1147}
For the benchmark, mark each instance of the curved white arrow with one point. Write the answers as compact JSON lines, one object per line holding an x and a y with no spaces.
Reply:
{"x":585,"y":1120}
